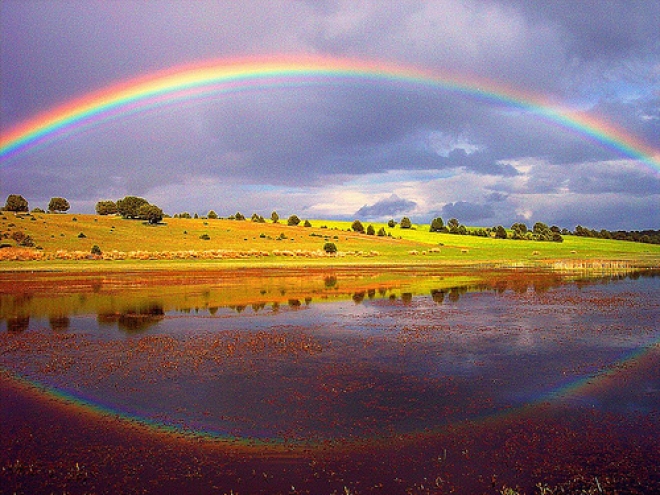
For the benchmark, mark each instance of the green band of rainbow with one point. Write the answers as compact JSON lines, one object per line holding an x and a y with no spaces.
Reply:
{"x":223,"y":76}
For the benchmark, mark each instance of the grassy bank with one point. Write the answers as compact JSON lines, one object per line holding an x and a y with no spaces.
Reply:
{"x":65,"y":242}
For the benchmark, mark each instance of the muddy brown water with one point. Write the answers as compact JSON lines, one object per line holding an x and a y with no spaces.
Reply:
{"x":330,"y":381}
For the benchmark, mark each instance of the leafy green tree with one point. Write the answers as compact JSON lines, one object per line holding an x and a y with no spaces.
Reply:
{"x":371,"y":230}
{"x":257,"y":218}
{"x":437,"y":225}
{"x":307,"y":223}
{"x":293,"y":220}
{"x":212,"y":215}
{"x":391,"y":224}
{"x":519,"y":230}
{"x":16,"y":203}
{"x":500,"y":232}
{"x":540,"y":228}
{"x":274,"y":217}
{"x":330,"y":248}
{"x":405,"y":223}
{"x":357,"y":226}
{"x":151,"y":213}
{"x":106,"y":208}
{"x":58,"y":204}
{"x":453,"y":225}
{"x":382,"y":232}
{"x":129,"y":206}
{"x":239,"y":216}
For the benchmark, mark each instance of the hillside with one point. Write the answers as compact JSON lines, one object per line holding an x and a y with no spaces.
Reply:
{"x":63,"y":237}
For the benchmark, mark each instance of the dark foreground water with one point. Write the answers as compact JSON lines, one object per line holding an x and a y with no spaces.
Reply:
{"x":333,"y":382}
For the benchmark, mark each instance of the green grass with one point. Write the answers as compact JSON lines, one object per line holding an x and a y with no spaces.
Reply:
{"x":416,"y":246}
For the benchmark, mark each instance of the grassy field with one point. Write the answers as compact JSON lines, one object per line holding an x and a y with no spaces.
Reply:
{"x":62,"y":240}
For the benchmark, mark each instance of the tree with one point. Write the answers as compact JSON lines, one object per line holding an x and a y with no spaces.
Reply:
{"x":519,"y":230}
{"x":541,"y":228}
{"x":391,"y":224}
{"x":239,"y":216}
{"x":500,"y":232}
{"x":307,"y":223}
{"x":293,"y":220}
{"x":58,"y":204}
{"x":129,"y":206}
{"x":437,"y":225}
{"x":212,"y":215}
{"x":357,"y":226}
{"x":106,"y":208}
{"x":274,"y":217}
{"x":371,"y":230}
{"x":330,"y":248}
{"x":381,"y":232}
{"x":151,"y":213}
{"x":405,"y":223}
{"x":16,"y":203}
{"x":453,"y":224}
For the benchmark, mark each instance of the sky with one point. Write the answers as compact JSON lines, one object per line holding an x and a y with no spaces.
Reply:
{"x":369,"y":150}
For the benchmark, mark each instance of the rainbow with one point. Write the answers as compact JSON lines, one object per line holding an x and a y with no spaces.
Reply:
{"x":214,"y":78}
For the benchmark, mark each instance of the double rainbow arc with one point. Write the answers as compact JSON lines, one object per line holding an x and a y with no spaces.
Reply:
{"x":218,"y":77}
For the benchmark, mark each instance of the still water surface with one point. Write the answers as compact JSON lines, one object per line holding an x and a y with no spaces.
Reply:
{"x":341,"y":359}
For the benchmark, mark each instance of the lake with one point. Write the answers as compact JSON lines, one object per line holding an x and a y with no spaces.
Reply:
{"x":370,"y":380}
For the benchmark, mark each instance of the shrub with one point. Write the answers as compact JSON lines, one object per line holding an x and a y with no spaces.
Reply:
{"x":406,"y":223}
{"x":205,"y":237}
{"x":357,"y":226}
{"x":81,"y":236}
{"x":293,"y":220}
{"x":391,"y":224}
{"x":96,"y":251}
{"x":307,"y":223}
{"x":212,"y":215}
{"x":371,"y":230}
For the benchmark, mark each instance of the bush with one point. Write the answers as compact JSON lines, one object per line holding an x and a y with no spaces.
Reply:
{"x":293,"y":220}
{"x":371,"y":230}
{"x":212,"y":215}
{"x":205,"y":237}
{"x":406,"y":223}
{"x":96,"y":251}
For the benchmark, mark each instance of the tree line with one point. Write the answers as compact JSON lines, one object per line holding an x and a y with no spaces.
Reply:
{"x":134,"y":207}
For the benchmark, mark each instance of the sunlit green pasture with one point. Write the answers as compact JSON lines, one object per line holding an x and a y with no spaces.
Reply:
{"x":268,"y":244}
